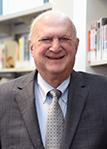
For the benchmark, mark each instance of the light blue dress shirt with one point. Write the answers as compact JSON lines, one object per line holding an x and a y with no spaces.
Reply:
{"x":43,"y":101}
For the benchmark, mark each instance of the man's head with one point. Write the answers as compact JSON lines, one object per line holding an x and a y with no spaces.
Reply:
{"x":53,"y":44}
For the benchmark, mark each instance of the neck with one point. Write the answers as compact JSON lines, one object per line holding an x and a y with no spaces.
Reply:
{"x":54,"y":80}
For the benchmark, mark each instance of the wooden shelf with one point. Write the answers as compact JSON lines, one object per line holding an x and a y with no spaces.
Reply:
{"x":12,"y":70}
{"x":98,"y":63}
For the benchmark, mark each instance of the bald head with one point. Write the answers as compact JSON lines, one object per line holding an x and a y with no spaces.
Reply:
{"x":52,"y":17}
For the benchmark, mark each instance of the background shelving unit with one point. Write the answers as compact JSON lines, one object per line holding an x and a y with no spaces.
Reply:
{"x":88,"y":11}
{"x":95,"y":10}
{"x":98,"y":63}
{"x":16,"y":24}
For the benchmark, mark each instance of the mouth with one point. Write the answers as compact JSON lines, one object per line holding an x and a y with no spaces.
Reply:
{"x":55,"y":57}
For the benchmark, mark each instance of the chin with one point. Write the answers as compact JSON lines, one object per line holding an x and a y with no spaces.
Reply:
{"x":56,"y":68}
{"x":56,"y":71}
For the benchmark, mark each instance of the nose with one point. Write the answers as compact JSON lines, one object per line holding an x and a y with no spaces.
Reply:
{"x":55,"y":45}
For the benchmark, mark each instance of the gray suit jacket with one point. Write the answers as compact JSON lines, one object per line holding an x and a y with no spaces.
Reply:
{"x":86,"y":119}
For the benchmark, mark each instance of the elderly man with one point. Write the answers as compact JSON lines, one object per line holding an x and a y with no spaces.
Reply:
{"x":54,"y":107}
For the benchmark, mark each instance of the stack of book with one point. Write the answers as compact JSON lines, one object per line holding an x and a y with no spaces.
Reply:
{"x":97,"y":41}
{"x":15,"y":53}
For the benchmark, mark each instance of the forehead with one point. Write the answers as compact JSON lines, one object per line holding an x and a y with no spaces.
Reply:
{"x":54,"y":26}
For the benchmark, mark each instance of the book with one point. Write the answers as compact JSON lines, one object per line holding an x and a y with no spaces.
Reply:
{"x":93,"y":42}
{"x":2,"y":46}
{"x":98,"y":49}
{"x":9,"y":54}
{"x":98,"y":41}
{"x":25,"y":58}
{"x":1,"y":7}
{"x":104,"y":38}
{"x":46,"y":1}
{"x":88,"y":47}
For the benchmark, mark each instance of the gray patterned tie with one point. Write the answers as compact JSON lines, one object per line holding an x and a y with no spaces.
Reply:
{"x":55,"y":122}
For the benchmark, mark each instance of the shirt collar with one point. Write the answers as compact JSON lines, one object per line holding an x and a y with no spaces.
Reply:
{"x":45,"y":87}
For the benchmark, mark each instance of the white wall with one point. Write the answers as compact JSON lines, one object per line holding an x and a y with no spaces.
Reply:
{"x":79,"y":18}
{"x":65,"y":6}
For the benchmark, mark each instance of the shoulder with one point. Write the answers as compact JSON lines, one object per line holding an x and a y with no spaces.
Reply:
{"x":93,"y":77}
{"x":20,"y":81}
{"x":95,"y":82}
{"x":9,"y":90}
{"x":90,"y":79}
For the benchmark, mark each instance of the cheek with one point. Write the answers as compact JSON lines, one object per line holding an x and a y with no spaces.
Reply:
{"x":72,"y":49}
{"x":39,"y":57}
{"x":36,"y":50}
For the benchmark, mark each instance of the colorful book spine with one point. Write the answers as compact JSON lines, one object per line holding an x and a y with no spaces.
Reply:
{"x":98,"y":41}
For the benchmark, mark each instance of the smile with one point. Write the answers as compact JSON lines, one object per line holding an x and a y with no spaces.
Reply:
{"x":55,"y":58}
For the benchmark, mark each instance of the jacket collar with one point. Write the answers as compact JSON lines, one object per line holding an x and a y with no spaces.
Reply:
{"x":25,"y":100}
{"x":77,"y":94}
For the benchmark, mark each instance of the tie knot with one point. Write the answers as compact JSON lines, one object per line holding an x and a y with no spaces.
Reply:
{"x":55,"y":93}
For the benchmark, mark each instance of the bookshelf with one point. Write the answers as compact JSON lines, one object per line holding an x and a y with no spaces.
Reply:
{"x":95,"y":11}
{"x":98,"y":63}
{"x":16,"y":70}
{"x":13,"y":28}
{"x":9,"y":74}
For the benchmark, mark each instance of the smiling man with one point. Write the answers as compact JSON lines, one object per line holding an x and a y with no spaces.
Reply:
{"x":53,"y":44}
{"x":54,"y":107}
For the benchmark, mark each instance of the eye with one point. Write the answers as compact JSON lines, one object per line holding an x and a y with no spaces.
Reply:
{"x":64,"y":39}
{"x":46,"y":40}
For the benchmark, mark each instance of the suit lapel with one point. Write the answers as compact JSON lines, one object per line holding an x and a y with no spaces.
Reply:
{"x":76,"y":100}
{"x":25,"y":99}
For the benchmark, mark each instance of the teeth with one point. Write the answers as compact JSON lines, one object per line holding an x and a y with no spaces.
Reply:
{"x":55,"y":57}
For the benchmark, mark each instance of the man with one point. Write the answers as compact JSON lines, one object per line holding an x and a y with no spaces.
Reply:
{"x":24,"y":103}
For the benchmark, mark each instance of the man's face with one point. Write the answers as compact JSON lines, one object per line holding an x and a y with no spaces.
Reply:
{"x":54,"y":47}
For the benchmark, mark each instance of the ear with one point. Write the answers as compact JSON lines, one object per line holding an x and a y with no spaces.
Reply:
{"x":77,"y":44}
{"x":31,"y":48}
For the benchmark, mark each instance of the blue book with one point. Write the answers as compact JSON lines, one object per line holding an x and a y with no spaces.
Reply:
{"x":46,"y":1}
{"x":1,"y":7}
